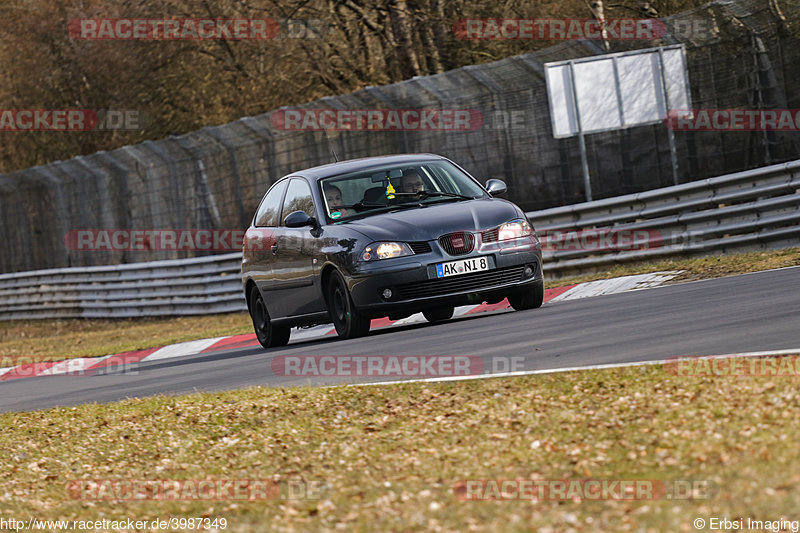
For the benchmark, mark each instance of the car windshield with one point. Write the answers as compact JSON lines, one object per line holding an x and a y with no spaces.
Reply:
{"x":380,"y":189}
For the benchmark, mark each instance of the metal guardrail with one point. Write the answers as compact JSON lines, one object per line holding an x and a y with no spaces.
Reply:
{"x":197,"y":286}
{"x":751,"y":210}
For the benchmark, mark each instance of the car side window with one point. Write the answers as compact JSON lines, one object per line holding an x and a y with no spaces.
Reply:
{"x":298,"y":198}
{"x":270,"y":208}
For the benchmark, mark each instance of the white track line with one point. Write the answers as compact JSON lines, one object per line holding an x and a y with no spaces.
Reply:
{"x":575,"y":368}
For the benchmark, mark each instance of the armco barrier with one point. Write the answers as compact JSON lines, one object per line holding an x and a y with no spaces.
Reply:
{"x":197,"y":286}
{"x":751,"y":210}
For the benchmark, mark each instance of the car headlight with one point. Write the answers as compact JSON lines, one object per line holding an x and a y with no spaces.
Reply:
{"x":514,"y":230}
{"x":385,"y":250}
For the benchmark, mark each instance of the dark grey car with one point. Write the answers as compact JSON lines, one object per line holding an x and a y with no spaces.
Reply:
{"x":384,"y":236}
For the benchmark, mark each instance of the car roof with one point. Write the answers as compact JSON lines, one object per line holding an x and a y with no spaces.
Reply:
{"x":352,"y":165}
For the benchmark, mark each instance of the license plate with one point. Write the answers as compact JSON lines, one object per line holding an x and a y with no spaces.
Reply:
{"x":465,"y":266}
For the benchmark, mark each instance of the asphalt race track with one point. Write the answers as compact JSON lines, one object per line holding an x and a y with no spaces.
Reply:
{"x":738,"y":314}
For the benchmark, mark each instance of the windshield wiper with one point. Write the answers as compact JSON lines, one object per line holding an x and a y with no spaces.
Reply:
{"x":374,"y":209}
{"x":429,"y":194}
{"x":359,"y":206}
{"x":373,"y":205}
{"x":406,"y":205}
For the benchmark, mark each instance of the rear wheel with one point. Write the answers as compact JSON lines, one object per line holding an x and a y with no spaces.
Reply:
{"x":530,"y":298}
{"x":348,"y":321}
{"x":438,"y":314}
{"x":267,"y":334}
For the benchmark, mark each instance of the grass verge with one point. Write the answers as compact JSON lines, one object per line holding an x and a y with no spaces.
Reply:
{"x":62,"y":339}
{"x":388,"y":458}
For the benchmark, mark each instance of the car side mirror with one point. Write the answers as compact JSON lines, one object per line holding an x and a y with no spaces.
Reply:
{"x":495,"y":187}
{"x":298,"y":219}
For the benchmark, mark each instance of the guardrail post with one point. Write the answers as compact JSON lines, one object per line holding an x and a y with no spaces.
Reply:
{"x":587,"y":183}
{"x":673,"y":151}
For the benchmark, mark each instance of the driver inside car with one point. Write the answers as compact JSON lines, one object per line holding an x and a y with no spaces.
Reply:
{"x":412,"y":183}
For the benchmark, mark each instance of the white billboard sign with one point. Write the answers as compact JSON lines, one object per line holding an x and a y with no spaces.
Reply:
{"x":616,"y":91}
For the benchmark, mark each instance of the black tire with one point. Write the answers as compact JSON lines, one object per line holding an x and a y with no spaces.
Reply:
{"x":348,"y":321}
{"x":267,"y":334}
{"x":438,"y":314}
{"x":530,"y":298}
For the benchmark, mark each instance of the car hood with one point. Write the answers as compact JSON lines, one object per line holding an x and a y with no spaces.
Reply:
{"x":427,"y":223}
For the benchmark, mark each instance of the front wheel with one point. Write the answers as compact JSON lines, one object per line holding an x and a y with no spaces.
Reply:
{"x":348,"y":321}
{"x":530,"y":298}
{"x":438,"y":314}
{"x":267,"y":334}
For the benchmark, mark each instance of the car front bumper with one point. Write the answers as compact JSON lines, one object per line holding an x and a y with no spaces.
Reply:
{"x":415,"y":287}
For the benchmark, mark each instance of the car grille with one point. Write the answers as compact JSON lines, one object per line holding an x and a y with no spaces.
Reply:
{"x":421,"y":247}
{"x":490,"y":235}
{"x":466,"y":282}
{"x":458,"y":243}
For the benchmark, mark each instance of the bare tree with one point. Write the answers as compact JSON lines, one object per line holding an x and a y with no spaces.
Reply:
{"x":401,"y":33}
{"x":185,"y":85}
{"x":599,"y":13}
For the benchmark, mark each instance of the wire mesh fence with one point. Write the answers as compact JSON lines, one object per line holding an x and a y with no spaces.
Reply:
{"x":741,"y":54}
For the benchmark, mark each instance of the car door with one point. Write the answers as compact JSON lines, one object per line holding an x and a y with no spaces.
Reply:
{"x":259,"y":256}
{"x":294,"y":270}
